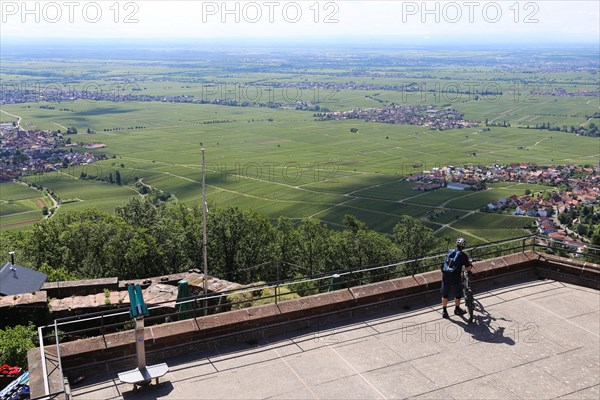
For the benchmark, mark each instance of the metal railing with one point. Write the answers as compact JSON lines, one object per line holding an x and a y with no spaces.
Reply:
{"x":118,"y":319}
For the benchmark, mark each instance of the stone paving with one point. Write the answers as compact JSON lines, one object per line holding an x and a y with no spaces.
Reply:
{"x":530,"y":340}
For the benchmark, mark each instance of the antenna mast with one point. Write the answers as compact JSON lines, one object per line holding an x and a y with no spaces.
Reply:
{"x":204,"y":239}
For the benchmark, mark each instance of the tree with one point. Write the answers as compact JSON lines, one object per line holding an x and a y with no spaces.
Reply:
{"x":14,"y":344}
{"x":481,"y":186}
{"x":287,"y":247}
{"x":139,"y":212}
{"x":546,"y":196}
{"x":358,"y":246}
{"x":587,"y":210}
{"x":57,"y":274}
{"x":238,"y":242}
{"x":595,"y":239}
{"x":17,"y":242}
{"x":563,"y":218}
{"x":118,"y":177}
{"x":89,"y":243}
{"x":190,"y":220}
{"x":314,"y":245}
{"x":413,"y":238}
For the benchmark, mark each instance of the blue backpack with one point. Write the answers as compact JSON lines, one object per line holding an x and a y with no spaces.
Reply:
{"x":450,"y":262}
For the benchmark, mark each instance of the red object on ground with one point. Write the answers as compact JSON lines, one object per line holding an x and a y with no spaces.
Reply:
{"x":8,"y":370}
{"x":8,"y":374}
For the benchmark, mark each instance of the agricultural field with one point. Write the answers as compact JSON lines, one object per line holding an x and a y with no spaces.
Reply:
{"x":20,"y":205}
{"x":490,"y":227}
{"x":282,"y":160}
{"x":76,"y":194}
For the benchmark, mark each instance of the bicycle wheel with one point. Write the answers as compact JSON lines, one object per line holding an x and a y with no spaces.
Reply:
{"x":470,"y":303}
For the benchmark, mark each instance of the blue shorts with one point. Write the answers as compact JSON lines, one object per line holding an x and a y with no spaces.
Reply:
{"x":452,"y":287}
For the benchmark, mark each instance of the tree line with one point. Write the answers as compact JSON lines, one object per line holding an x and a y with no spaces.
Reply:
{"x":143,"y":239}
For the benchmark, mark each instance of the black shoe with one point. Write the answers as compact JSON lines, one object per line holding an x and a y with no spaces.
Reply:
{"x":445,"y":314}
{"x":459,"y":311}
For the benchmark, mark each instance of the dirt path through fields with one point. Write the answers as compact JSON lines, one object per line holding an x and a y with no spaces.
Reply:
{"x":61,"y":126}
{"x":13,"y":115}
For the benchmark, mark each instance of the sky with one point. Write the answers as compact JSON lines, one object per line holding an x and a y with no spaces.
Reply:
{"x":541,"y":20}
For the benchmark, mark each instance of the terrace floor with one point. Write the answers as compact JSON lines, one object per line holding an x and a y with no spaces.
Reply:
{"x":532,"y":339}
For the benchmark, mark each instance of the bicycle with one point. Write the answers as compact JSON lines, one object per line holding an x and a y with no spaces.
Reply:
{"x":468,"y":294}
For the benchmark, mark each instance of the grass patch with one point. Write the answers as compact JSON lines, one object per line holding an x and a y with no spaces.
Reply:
{"x":254,"y":298}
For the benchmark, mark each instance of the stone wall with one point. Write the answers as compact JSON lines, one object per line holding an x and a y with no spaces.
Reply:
{"x":21,"y":309}
{"x":60,"y":290}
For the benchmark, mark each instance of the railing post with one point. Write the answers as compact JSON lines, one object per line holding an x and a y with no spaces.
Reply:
{"x":58,"y":355}
{"x":278,"y":282}
{"x":335,"y":282}
{"x":43,"y":356}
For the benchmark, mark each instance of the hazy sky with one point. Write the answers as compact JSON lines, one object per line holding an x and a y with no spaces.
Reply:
{"x":555,"y":20}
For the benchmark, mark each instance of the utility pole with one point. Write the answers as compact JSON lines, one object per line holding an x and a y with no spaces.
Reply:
{"x":204,"y":239}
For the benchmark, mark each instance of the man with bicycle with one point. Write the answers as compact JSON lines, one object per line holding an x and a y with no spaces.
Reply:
{"x":451,"y":276}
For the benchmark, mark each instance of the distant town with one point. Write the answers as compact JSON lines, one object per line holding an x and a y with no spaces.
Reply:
{"x":430,"y":116}
{"x":217,"y":94}
{"x":25,"y":152}
{"x":575,"y":188}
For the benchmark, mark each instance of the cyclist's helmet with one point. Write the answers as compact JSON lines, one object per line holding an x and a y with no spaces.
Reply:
{"x":461,"y":242}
